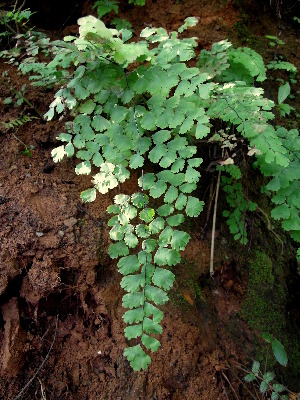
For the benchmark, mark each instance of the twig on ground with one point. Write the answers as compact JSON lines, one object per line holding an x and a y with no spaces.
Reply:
{"x":42,"y":390}
{"x":9,"y":27}
{"x":244,"y":385}
{"x":231,"y":387}
{"x":22,"y":5}
{"x":224,"y":387}
{"x":85,"y":211}
{"x":212,"y":193}
{"x":212,"y":249}
{"x":19,"y":8}
{"x":270,"y":228}
{"x":20,"y":394}
{"x":19,"y":140}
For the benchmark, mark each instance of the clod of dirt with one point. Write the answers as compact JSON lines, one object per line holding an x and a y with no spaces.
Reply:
{"x":11,"y":355}
{"x":41,"y":280}
{"x":70,"y":222}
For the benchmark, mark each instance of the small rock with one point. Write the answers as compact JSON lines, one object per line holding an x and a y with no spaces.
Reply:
{"x":61,"y":233}
{"x":39,"y":234}
{"x":34,"y":190}
{"x":101,"y":377}
{"x":70,"y":222}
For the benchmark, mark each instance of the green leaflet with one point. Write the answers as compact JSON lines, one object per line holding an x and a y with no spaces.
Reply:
{"x":136,"y":161}
{"x":131,"y":240}
{"x":181,"y":202}
{"x":171,"y":177}
{"x":144,"y":258}
{"x":133,"y":331}
{"x":137,"y":357}
{"x":157,"y":225}
{"x":58,"y":153}
{"x":83,"y":168}
{"x":171,"y":194}
{"x":279,"y":352}
{"x":148,"y":121}
{"x":116,"y":232}
{"x":132,"y":283}
{"x":201,"y":131}
{"x":150,"y":342}
{"x":161,"y":136}
{"x":88,"y":195}
{"x":113,"y":209}
{"x":128,"y":265}
{"x":133,"y":300}
{"x":281,"y":211}
{"x":175,"y":220}
{"x":194,"y":206}
{"x":163,"y":278}
{"x":147,"y":215}
{"x":168,"y":159}
{"x":121,"y":199}
{"x":148,"y":269}
{"x":87,"y":107}
{"x":178,"y":165}
{"x":188,"y":187}
{"x":155,"y":294}
{"x":158,"y":189}
{"x":147,"y":181}
{"x":99,"y":123}
{"x":142,"y":231}
{"x":179,"y":240}
{"x":118,"y":249}
{"x":165,"y":236}
{"x":165,"y":210}
{"x":157,"y":152}
{"x":151,"y":310}
{"x":135,"y":315}
{"x":151,"y":327}
{"x":166,"y":256}
{"x":149,"y":245}
{"x":139,"y":200}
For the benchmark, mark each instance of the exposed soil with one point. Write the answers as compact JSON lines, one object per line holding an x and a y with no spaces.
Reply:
{"x":60,"y":298}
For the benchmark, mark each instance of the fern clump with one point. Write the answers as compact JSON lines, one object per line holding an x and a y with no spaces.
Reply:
{"x":135,"y":104}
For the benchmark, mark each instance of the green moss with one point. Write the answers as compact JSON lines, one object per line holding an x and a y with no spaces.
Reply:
{"x":265,"y":303}
{"x":264,"y":307}
{"x":198,"y":291}
{"x":178,"y":300}
{"x":187,"y":275}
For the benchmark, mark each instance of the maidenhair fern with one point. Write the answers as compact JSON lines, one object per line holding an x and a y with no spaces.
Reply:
{"x":131,"y":105}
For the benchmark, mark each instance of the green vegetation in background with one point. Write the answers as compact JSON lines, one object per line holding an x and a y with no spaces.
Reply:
{"x":104,"y":7}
